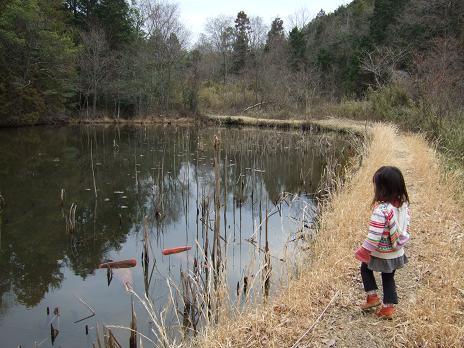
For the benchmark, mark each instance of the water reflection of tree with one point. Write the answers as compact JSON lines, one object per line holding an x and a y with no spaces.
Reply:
{"x":143,"y":163}
{"x":34,"y":237}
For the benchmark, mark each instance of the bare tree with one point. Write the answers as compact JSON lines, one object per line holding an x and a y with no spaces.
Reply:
{"x":94,"y":61}
{"x":220,"y":35}
{"x":299,"y":18}
{"x":440,"y":75}
{"x":258,"y":33}
{"x":216,"y":29}
{"x":161,"y":18}
{"x":381,"y":63}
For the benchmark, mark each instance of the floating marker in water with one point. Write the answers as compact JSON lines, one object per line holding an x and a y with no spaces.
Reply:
{"x":87,"y":189}
{"x":175,"y":250}
{"x":123,"y":206}
{"x":119,"y":264}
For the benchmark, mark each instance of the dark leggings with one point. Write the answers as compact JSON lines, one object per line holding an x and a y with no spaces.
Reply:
{"x":388,"y":283}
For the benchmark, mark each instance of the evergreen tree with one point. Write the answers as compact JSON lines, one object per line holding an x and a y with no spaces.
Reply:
{"x":114,"y":16}
{"x":276,"y":35}
{"x":36,"y":61}
{"x":241,"y":42}
{"x":320,"y":14}
{"x":297,"y":49}
{"x":384,"y":16}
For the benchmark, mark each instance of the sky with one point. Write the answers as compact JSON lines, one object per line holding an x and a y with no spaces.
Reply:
{"x":195,"y":12}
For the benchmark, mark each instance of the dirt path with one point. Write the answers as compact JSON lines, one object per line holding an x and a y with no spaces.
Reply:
{"x":430,"y":287}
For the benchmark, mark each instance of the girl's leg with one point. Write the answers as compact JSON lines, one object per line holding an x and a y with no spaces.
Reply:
{"x":389,"y":288}
{"x":368,"y":278}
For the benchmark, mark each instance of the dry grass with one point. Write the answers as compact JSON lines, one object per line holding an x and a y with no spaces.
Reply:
{"x":331,"y":124}
{"x":104,"y":120}
{"x":431,"y":287}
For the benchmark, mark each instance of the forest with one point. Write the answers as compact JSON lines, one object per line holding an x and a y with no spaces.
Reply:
{"x":393,"y":60}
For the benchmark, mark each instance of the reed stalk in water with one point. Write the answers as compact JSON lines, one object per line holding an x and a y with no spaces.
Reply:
{"x":133,"y":335}
{"x":70,"y":219}
{"x":93,"y":171}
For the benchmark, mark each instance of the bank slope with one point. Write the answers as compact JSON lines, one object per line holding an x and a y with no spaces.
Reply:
{"x":431,"y":287}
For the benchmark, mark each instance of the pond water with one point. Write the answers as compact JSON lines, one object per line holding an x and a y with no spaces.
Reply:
{"x":147,"y":188}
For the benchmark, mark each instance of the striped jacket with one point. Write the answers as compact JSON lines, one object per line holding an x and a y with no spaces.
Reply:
{"x":388,"y":230}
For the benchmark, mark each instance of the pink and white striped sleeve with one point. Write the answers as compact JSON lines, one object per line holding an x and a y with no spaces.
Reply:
{"x":376,"y":227}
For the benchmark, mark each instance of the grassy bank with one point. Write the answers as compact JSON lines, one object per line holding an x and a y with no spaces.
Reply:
{"x":441,"y":124}
{"x":104,"y":120}
{"x":329,"y":124}
{"x":431,"y":287}
{"x":134,"y":121}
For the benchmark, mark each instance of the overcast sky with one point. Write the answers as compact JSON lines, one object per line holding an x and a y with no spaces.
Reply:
{"x":195,"y":12}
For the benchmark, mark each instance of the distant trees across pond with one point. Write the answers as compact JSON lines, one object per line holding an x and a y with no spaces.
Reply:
{"x":114,"y":58}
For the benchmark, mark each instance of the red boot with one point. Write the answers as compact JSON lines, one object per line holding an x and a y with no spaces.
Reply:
{"x":386,"y":312}
{"x":371,"y":301}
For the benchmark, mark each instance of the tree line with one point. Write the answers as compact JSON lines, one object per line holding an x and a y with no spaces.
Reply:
{"x":93,"y":58}
{"x":109,"y":58}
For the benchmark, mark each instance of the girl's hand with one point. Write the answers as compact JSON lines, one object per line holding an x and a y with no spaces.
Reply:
{"x":363,"y":255}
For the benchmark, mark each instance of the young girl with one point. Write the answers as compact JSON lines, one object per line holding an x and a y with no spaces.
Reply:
{"x":382,"y":251}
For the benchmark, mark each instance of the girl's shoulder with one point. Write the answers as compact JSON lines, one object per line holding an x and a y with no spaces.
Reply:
{"x":381,"y":207}
{"x":384,"y":206}
{"x":390,"y":211}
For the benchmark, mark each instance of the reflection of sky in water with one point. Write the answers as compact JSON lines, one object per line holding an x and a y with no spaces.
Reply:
{"x":134,"y":167}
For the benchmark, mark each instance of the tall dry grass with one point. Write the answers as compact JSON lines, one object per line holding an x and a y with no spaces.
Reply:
{"x":431,"y":287}
{"x":434,"y":314}
{"x":292,"y":312}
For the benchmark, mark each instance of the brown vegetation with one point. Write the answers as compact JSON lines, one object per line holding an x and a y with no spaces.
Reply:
{"x":431,"y":287}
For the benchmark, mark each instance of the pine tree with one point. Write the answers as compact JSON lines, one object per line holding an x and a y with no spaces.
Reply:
{"x":384,"y":15}
{"x":36,"y":61}
{"x":276,"y":35}
{"x":297,"y":49}
{"x":115,"y":18}
{"x":241,"y":42}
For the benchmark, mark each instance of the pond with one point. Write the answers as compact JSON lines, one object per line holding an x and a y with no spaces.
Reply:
{"x":75,"y":197}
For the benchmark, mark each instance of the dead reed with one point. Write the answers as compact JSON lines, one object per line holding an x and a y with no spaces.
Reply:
{"x":203,"y":297}
{"x":430,"y":287}
{"x":70,"y":219}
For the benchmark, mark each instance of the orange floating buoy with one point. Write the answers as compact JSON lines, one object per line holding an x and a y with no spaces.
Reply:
{"x":119,"y":264}
{"x":176,"y":250}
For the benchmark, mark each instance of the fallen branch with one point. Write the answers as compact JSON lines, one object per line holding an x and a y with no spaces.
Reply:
{"x":317,"y":320}
{"x":253,"y":106}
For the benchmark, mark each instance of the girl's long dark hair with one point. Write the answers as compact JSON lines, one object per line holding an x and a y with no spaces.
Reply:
{"x":389,"y":186}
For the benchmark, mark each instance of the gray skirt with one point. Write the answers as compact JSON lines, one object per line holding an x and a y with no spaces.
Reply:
{"x":386,"y":265}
